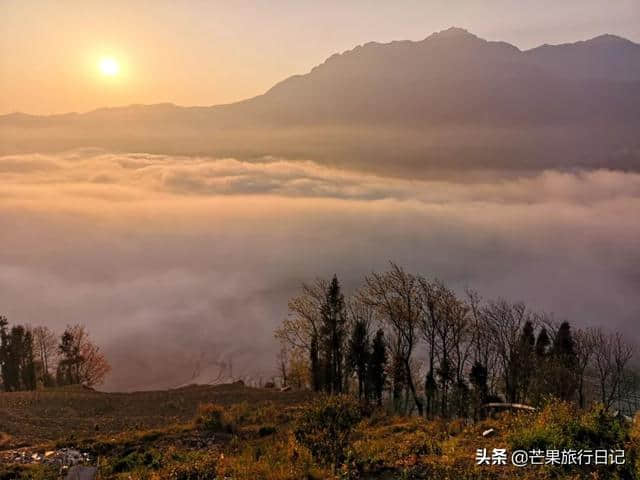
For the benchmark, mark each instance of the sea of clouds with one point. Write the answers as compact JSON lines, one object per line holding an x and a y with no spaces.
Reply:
{"x":174,"y":263}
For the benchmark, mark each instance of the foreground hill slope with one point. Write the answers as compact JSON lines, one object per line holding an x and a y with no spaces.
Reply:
{"x":30,"y":418}
{"x":331,"y":438}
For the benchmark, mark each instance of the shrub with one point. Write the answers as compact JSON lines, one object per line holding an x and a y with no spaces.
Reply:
{"x":397,"y":441}
{"x":633,"y":447}
{"x":151,"y":459}
{"x":214,"y":419}
{"x":599,"y":429}
{"x":201,"y":469}
{"x":325,"y":427}
{"x":560,"y":425}
{"x":27,"y":472}
{"x":266,"y":430}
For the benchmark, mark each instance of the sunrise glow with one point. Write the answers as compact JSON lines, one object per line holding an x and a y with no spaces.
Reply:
{"x":109,"y":66}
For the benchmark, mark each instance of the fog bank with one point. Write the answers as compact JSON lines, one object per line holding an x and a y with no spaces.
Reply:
{"x":179,"y":263}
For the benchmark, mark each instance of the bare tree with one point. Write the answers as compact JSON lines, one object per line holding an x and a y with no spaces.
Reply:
{"x":357,"y":309}
{"x":429,"y":327}
{"x":293,"y":365}
{"x":45,"y":344}
{"x":361,"y":317}
{"x":585,"y":346}
{"x":283,"y":359}
{"x":305,"y":316}
{"x":298,"y":372}
{"x":629,"y":389}
{"x":82,"y":358}
{"x":459,"y":322}
{"x":505,"y":321}
{"x":611,"y":356}
{"x":396,"y":296}
{"x":445,"y":328}
{"x":95,"y":367}
{"x":474,"y":349}
{"x":396,"y":370}
{"x":483,"y":351}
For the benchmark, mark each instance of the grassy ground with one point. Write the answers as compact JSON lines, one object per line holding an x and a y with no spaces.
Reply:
{"x":234,"y":432}
{"x":28,"y":418}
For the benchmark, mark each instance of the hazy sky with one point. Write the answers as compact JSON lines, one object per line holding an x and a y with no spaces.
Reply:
{"x":210,"y":52}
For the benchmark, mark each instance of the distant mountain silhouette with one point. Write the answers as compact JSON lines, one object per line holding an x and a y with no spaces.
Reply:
{"x":456,"y":77}
{"x":450,"y":99}
{"x":606,"y":57}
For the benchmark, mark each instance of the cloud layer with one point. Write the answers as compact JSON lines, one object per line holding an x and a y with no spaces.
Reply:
{"x":175,"y":262}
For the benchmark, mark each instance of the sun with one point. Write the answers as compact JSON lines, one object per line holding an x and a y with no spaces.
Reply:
{"x":109,"y":66}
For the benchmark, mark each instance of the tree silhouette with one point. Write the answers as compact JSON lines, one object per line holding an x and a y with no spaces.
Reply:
{"x":332,"y":336}
{"x":564,"y":363}
{"x":358,"y":353}
{"x":377,"y":365}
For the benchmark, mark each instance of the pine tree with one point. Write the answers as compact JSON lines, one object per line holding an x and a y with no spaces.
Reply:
{"x":478,"y":378}
{"x":15,"y":355}
{"x":542,"y":343}
{"x":16,"y":358}
{"x":564,"y":362}
{"x":332,"y":334}
{"x":69,"y":365}
{"x":540,"y":378}
{"x":358,"y":353}
{"x":564,"y":346}
{"x":28,"y":367}
{"x":4,"y":353}
{"x":377,"y":366}
{"x":526,"y":361}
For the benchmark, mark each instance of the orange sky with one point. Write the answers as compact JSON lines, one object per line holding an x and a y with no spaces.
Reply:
{"x":210,"y":52}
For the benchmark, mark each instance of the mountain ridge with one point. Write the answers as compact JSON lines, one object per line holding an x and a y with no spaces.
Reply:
{"x":447,"y":34}
{"x":451,"y":99}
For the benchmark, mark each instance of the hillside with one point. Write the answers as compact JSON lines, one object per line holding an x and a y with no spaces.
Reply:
{"x":31,"y":418}
{"x":281,"y":436}
{"x":450,"y":100}
{"x":456,"y":78}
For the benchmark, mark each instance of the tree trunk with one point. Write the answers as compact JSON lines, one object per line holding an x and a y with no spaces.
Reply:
{"x":412,"y":388}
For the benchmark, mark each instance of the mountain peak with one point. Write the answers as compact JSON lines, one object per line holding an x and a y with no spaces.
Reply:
{"x":605,"y":40}
{"x":608,"y":39}
{"x":452,"y":32}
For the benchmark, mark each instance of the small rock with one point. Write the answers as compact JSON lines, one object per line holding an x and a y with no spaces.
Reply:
{"x":81,"y":473}
{"x":489,"y":432}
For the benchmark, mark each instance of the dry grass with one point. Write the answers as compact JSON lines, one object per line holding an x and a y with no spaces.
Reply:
{"x":29,"y":418}
{"x":249,"y":434}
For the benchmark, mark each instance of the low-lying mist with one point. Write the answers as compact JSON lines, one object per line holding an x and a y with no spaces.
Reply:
{"x":177,"y":263}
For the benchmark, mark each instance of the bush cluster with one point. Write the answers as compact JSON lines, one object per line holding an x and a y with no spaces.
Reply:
{"x":560,"y":425}
{"x":201,"y":469}
{"x":325,"y":427}
{"x":213,"y":418}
